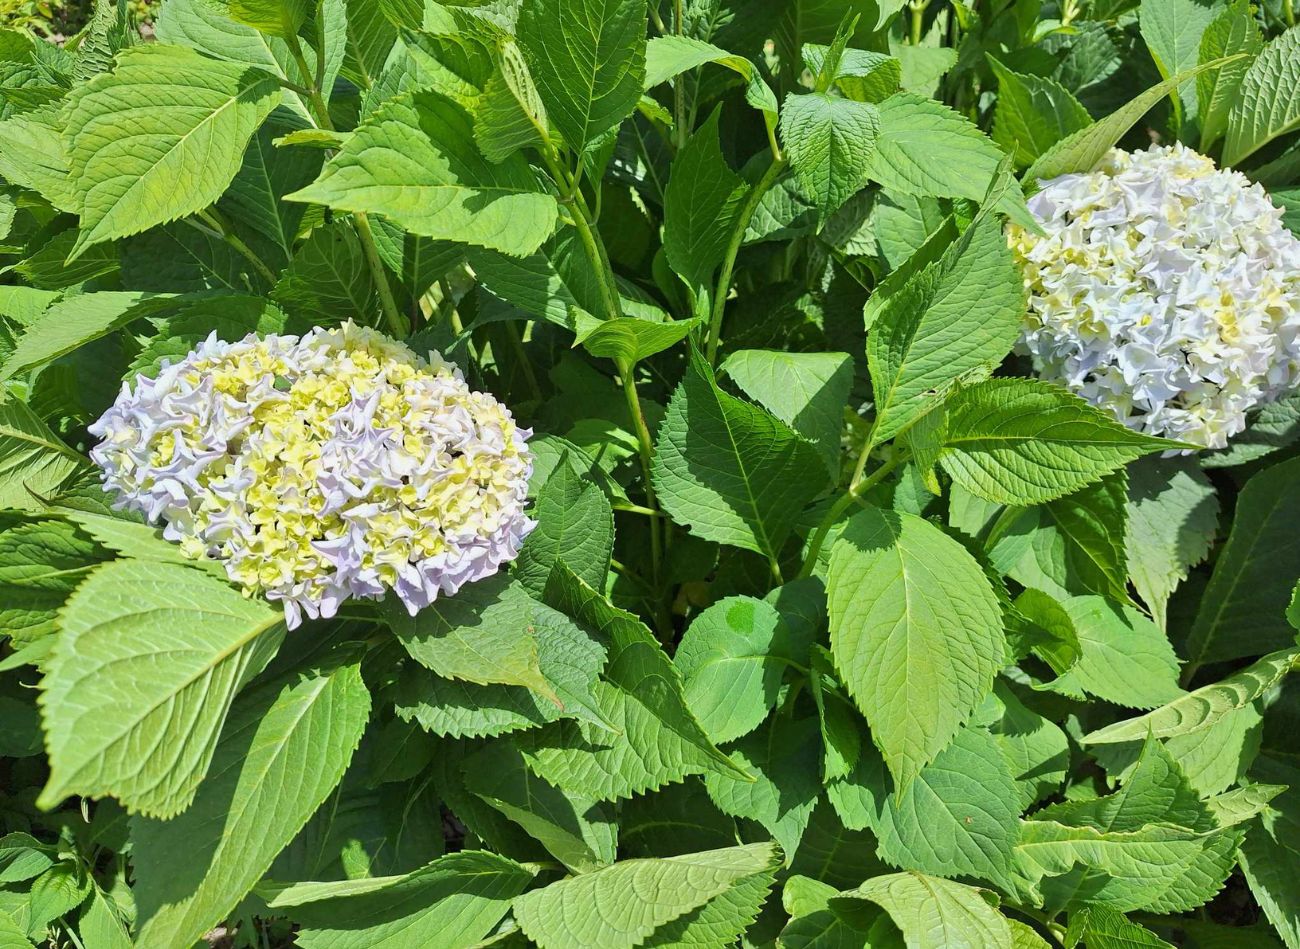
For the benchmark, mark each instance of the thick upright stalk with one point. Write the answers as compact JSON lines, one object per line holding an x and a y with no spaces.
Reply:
{"x":733,"y":248}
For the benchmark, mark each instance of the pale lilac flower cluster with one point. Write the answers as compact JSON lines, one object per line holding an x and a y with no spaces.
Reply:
{"x":1165,"y":290}
{"x":318,"y":469}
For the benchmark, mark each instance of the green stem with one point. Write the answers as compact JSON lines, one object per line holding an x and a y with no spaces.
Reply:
{"x":625,"y":370}
{"x":733,"y":248}
{"x":858,"y":486}
{"x":680,"y":129}
{"x":1288,"y":13}
{"x":517,"y":343}
{"x":222,"y":229}
{"x":918,"y":21}
{"x":397,"y":324}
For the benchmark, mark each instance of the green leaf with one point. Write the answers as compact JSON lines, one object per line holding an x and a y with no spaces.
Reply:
{"x":629,"y":339}
{"x":284,"y":749}
{"x":732,"y":659}
{"x":1173,"y":515}
{"x":414,"y":162}
{"x":937,"y":914}
{"x":1033,"y":113}
{"x":1104,"y":928}
{"x":33,"y":460}
{"x":268,"y":173}
{"x":510,"y":115}
{"x":916,"y":632}
{"x":925,"y":148}
{"x":1081,"y":151}
{"x":205,"y":25}
{"x":230,"y":317}
{"x":1270,"y":857}
{"x":147,"y":662}
{"x":484,"y":634}
{"x":590,"y":910}
{"x":138,"y":158}
{"x":1021,"y":441}
{"x":1267,"y":104}
{"x":830,"y":141}
{"x":1036,"y":750}
{"x":782,"y":757}
{"x":958,"y":315}
{"x":1204,"y":707}
{"x":956,"y":818}
{"x":41,"y":564}
{"x":578,"y":831}
{"x":1233,"y":31}
{"x":281,"y":18}
{"x":454,"y":902}
{"x":329,"y":280}
{"x":75,"y":321}
{"x":1173,"y":30}
{"x":807,"y":391}
{"x":575,"y":525}
{"x":33,"y":156}
{"x":643,"y":699}
{"x":728,"y":470}
{"x":570,"y":661}
{"x":701,"y":204}
{"x":588,"y":60}
{"x":1243,"y":609}
{"x":1125,"y":658}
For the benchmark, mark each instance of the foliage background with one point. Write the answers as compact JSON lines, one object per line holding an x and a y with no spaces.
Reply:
{"x":806,"y":650}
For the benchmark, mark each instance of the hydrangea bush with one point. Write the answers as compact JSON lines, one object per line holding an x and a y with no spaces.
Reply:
{"x":596,"y":475}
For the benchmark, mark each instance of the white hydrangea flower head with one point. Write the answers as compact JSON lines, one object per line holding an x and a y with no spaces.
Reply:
{"x":1164,"y":290}
{"x":335,"y":465}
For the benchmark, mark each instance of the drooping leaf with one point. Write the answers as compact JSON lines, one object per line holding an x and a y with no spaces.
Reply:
{"x":807,"y":391}
{"x":642,"y":697}
{"x":916,"y":632}
{"x":782,"y":757}
{"x":33,"y":460}
{"x":574,"y":524}
{"x":1125,"y":658}
{"x":701,"y":204}
{"x":937,"y":914}
{"x":587,"y":910}
{"x":454,"y":901}
{"x":1033,"y":113}
{"x":1243,"y":609}
{"x":1173,"y":514}
{"x":579,"y":832}
{"x":486,"y":634}
{"x":1021,"y":441}
{"x":728,"y":470}
{"x":1205,"y":706}
{"x":147,"y":662}
{"x":284,"y":749}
